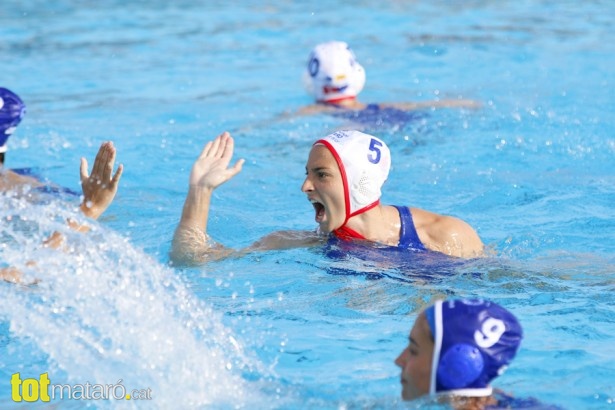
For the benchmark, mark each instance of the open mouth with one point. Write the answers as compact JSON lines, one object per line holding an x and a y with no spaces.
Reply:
{"x":320,"y":211}
{"x":329,"y":89}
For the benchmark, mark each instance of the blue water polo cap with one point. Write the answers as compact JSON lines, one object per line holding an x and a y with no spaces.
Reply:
{"x":12,"y":110}
{"x":474,"y":341}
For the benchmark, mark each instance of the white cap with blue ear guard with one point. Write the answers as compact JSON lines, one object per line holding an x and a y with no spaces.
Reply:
{"x":474,"y":341}
{"x":333,"y":73}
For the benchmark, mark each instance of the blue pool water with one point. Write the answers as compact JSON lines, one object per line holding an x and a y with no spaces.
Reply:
{"x":532,"y":171}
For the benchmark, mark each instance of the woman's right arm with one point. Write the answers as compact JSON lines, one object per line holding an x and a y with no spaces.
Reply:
{"x":191,"y":244}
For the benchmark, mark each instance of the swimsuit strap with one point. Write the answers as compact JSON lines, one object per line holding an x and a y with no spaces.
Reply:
{"x":408,"y":237}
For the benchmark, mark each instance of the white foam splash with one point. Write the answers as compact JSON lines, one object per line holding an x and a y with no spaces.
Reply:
{"x":103,"y":311}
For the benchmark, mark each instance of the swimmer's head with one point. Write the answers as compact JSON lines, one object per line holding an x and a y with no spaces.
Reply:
{"x":474,"y":341}
{"x":332,"y":73}
{"x":364,"y":162}
{"x":12,"y":110}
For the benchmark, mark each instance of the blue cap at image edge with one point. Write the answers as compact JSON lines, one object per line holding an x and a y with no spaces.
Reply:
{"x":12,"y":110}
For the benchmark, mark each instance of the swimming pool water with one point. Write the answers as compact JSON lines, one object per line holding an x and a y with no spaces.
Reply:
{"x":532,"y":170}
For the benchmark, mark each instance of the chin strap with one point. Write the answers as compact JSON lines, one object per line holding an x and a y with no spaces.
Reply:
{"x":337,"y":100}
{"x":345,"y":233}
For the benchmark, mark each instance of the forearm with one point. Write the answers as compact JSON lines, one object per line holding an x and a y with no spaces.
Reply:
{"x":190,"y":241}
{"x":434,"y":104}
{"x":196,"y":208}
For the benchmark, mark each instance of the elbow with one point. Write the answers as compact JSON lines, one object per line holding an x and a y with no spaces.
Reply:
{"x":187,"y":247}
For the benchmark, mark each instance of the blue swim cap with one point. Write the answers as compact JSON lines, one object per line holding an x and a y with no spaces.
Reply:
{"x":12,"y":110}
{"x":474,"y":341}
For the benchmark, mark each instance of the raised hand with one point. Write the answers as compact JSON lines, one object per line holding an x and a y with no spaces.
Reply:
{"x":211,"y":170}
{"x":100,"y":187}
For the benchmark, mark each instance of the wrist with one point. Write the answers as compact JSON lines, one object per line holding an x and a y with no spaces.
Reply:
{"x":89,"y":210}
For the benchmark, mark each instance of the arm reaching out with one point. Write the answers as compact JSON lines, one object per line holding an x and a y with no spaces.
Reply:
{"x":452,"y":103}
{"x":210,"y":170}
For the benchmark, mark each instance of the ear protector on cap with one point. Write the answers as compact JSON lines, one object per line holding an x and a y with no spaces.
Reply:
{"x":474,"y":341}
{"x":460,"y":366}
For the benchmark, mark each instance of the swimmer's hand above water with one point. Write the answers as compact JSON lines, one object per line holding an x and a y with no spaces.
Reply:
{"x":210,"y":170}
{"x":100,"y":187}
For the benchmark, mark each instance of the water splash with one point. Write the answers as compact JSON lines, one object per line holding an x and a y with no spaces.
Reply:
{"x":104,"y":311}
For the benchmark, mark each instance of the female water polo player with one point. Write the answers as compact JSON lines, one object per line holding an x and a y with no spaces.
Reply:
{"x":12,"y":110}
{"x":335,"y":78}
{"x":344,"y":175}
{"x":456,"y":348}
{"x":99,"y":187}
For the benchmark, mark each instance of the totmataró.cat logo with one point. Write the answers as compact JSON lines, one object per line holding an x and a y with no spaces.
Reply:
{"x":33,"y":389}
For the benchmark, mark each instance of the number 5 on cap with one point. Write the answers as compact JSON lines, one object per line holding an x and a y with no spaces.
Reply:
{"x":374,"y":147}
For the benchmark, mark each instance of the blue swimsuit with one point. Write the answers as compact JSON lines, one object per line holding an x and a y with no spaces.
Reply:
{"x":408,"y":238}
{"x":506,"y":401}
{"x":375,"y":115}
{"x":48,"y":189}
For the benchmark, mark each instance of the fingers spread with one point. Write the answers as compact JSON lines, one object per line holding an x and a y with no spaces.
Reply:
{"x":83,"y":170}
{"x":110,"y":161}
{"x":99,"y":163}
{"x":228,"y":146}
{"x":238,"y":166}
{"x":206,"y":150}
{"x":117,"y":176}
{"x":215,"y":147}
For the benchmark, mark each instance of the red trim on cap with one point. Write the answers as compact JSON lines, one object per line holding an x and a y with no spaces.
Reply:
{"x":336,"y":100}
{"x":343,"y":231}
{"x":346,"y":233}
{"x":364,"y":209}
{"x":340,"y":165}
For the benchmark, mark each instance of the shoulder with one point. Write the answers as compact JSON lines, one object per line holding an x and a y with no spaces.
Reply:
{"x":11,"y":179}
{"x":506,"y":401}
{"x":446,"y":234}
{"x":403,"y":106}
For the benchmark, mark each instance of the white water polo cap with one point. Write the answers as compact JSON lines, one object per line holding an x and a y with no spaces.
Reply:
{"x":333,"y":73}
{"x":364,"y":162}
